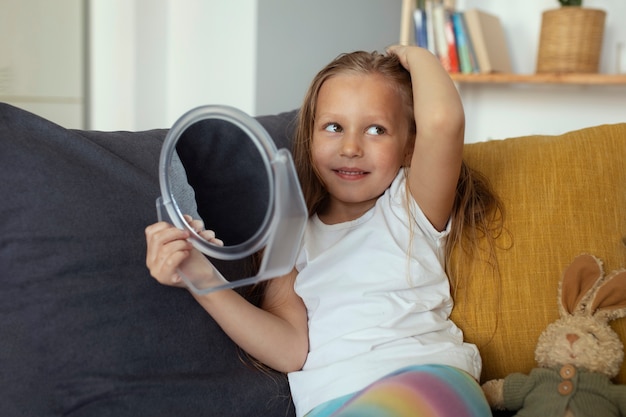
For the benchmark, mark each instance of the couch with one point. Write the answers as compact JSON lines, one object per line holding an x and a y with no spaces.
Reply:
{"x":85,"y":330}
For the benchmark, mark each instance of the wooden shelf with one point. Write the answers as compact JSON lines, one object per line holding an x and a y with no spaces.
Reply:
{"x":579,"y":79}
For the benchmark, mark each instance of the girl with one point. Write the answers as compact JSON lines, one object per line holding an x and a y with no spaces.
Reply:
{"x":361,"y":325}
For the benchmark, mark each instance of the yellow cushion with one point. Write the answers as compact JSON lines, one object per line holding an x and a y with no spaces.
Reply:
{"x":564,"y":195}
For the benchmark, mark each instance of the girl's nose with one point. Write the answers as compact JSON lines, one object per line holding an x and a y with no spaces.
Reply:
{"x":351,"y":147}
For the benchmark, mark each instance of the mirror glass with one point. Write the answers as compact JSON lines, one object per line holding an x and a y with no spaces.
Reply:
{"x":222,"y":179}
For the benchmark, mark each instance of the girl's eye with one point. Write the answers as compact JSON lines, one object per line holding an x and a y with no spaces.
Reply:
{"x":333,"y":127}
{"x":376,"y":130}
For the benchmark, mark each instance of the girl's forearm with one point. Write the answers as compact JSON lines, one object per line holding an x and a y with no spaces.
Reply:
{"x":268,"y":337}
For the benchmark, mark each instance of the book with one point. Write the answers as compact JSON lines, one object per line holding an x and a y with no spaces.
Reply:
{"x":488,"y":41}
{"x":451,"y":42}
{"x":445,"y":42}
{"x":419,"y":20}
{"x":439,"y":32}
{"x":430,"y":30}
{"x":470,"y":47}
{"x":463,"y":46}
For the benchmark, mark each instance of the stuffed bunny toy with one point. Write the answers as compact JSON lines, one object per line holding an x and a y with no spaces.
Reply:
{"x":577,"y":355}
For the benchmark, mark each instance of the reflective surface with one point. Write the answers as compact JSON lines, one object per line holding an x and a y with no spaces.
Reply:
{"x":227,"y":176}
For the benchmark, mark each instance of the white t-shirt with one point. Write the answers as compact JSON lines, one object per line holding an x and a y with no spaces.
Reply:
{"x":372,"y":308}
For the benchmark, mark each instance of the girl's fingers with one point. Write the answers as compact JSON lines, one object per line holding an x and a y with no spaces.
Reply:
{"x":167,"y":248}
{"x":402,"y":52}
{"x":167,"y":271}
{"x":158,"y":236}
{"x":210,"y":236}
{"x":198,"y":226}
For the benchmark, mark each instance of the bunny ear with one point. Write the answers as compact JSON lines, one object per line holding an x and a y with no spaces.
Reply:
{"x":610,"y":300}
{"x":578,"y":281}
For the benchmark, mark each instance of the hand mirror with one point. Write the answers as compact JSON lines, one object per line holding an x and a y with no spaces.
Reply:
{"x":220,"y":165}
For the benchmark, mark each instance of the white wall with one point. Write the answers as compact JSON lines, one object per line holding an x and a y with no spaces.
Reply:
{"x":152,"y":60}
{"x":297,"y":38}
{"x":155,"y":59}
{"x":500,"y":111}
{"x":111,"y":64}
{"x":211,"y":55}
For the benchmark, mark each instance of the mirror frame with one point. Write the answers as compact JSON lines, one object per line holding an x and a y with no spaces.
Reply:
{"x":169,"y":210}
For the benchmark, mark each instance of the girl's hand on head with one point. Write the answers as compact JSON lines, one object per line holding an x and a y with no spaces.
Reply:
{"x":407,"y":53}
{"x":402,"y":52}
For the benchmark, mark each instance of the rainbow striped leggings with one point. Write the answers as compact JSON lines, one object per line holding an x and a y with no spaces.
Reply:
{"x":416,"y":391}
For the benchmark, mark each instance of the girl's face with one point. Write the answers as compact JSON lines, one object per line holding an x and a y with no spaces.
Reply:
{"x":359,"y":142}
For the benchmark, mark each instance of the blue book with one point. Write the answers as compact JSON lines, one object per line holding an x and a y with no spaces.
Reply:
{"x":462,"y":44}
{"x":470,"y":45}
{"x":421,"y":35}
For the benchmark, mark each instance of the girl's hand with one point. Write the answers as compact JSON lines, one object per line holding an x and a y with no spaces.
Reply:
{"x":400,"y":51}
{"x":198,"y":227}
{"x":406,"y":53}
{"x":168,"y":250}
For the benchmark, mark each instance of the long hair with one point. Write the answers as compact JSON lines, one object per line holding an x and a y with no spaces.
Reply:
{"x":477,"y":211}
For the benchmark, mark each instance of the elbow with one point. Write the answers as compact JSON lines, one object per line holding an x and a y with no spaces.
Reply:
{"x":295,"y":360}
{"x":293,"y":366}
{"x":299,"y":360}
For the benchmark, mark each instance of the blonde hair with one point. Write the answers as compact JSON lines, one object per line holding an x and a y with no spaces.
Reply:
{"x":477,"y":212}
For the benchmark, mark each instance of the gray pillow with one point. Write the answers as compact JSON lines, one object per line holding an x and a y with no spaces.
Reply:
{"x":85,"y":331}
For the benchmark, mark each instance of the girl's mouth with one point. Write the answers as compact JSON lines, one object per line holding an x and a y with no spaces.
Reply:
{"x":349,"y":172}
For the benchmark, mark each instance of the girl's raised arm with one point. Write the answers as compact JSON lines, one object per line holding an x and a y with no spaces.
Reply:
{"x":440,"y":127}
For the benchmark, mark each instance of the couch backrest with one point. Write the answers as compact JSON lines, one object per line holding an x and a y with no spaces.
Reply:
{"x":564,"y":195}
{"x":85,"y":329}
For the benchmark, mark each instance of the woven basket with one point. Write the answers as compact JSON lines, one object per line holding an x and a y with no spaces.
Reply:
{"x":570,"y":40}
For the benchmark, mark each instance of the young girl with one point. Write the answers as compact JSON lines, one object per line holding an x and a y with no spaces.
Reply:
{"x":361,"y":325}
